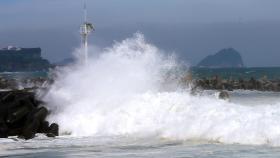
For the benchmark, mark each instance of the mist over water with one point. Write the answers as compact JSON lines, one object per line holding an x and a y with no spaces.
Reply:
{"x":91,"y":93}
{"x":130,"y":90}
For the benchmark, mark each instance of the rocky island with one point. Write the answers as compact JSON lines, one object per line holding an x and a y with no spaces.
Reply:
{"x":226,"y":58}
{"x":15,"y":59}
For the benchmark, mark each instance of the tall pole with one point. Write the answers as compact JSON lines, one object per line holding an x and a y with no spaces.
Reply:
{"x":85,"y":11}
{"x":85,"y":45}
{"x":85,"y":29}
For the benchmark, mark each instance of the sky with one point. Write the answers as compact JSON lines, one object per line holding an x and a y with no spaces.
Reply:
{"x":192,"y":29}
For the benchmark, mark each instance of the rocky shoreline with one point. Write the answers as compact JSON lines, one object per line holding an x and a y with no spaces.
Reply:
{"x":22,"y":115}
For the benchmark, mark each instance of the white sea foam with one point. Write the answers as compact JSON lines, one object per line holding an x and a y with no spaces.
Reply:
{"x":121,"y":92}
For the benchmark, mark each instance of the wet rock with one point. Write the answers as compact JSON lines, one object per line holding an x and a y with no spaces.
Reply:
{"x":44,"y":127}
{"x":54,"y":128}
{"x":3,"y":129}
{"x":40,"y":114}
{"x":252,"y":83}
{"x":20,"y":115}
{"x":15,"y":131}
{"x":30,"y":130}
{"x":223,"y":95}
{"x":278,"y":86}
{"x":50,"y":135}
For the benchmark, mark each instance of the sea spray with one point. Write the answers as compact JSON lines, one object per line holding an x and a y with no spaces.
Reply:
{"x":112,"y":79}
{"x":121,"y":92}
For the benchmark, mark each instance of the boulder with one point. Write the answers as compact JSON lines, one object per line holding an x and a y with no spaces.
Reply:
{"x":22,"y":115}
{"x":54,"y":128}
{"x":18,"y":114}
{"x":30,"y":130}
{"x":223,"y":95}
{"x":44,"y":127}
{"x":3,"y":129}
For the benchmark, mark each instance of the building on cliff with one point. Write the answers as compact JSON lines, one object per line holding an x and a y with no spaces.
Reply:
{"x":22,"y":59}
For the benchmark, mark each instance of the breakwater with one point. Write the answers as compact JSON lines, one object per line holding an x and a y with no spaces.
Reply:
{"x":214,"y":82}
{"x":23,"y":115}
{"x":218,"y":83}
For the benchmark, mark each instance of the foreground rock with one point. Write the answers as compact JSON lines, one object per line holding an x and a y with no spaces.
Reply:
{"x":23,"y":116}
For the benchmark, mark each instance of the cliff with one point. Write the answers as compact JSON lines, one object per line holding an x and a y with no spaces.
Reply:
{"x":226,"y":58}
{"x":22,"y":59}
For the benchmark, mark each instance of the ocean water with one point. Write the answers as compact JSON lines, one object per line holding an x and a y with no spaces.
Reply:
{"x":272,"y":73}
{"x":128,"y":102}
{"x":157,"y":145}
{"x":23,"y":75}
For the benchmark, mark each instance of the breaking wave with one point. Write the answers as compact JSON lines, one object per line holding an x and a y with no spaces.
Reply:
{"x":130,"y":90}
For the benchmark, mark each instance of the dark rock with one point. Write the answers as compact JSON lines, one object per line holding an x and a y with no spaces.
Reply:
{"x":44,"y":127}
{"x":7,"y":97}
{"x":50,"y":135}
{"x":268,"y":86}
{"x":30,"y":130}
{"x":18,"y":114}
{"x":54,"y":128}
{"x":15,"y":131}
{"x":41,"y":114}
{"x":252,"y":83}
{"x":224,"y":95}
{"x":38,"y":114}
{"x":227,"y":85}
{"x":3,"y":129}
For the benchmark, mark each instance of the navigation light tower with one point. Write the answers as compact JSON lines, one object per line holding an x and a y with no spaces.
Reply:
{"x":85,"y":29}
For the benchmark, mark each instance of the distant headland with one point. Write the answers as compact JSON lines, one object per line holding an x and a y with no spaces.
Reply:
{"x":16,"y":59}
{"x":225,"y":58}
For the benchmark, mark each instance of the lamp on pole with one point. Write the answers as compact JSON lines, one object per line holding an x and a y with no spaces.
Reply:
{"x":85,"y":30}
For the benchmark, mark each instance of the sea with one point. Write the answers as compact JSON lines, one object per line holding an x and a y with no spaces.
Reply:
{"x":271,"y":73}
{"x":127,"y":102}
{"x":258,"y":137}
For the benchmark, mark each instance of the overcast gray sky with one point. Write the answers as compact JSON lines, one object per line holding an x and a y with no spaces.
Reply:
{"x":191,"y":28}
